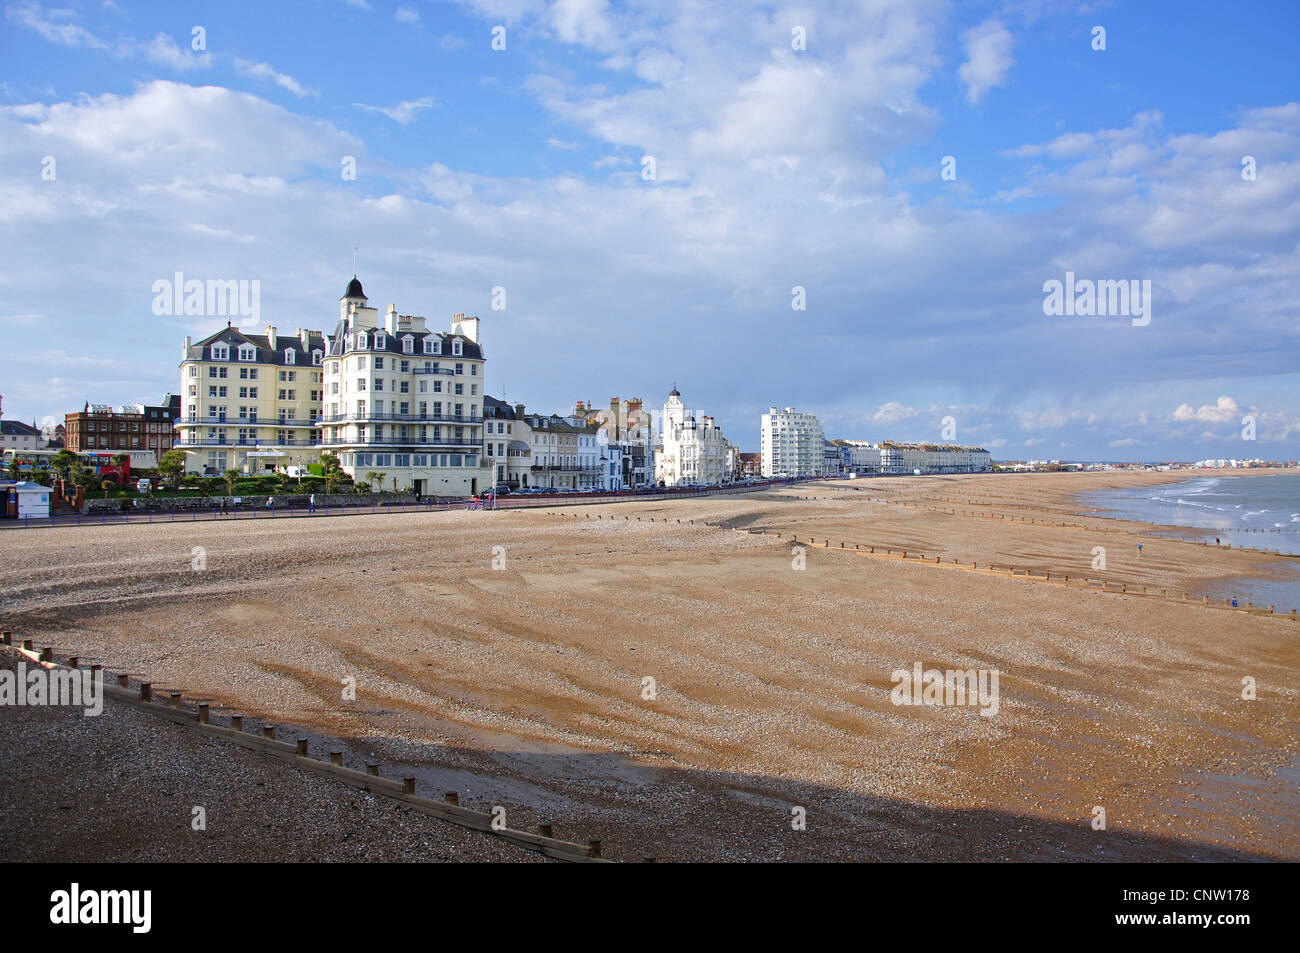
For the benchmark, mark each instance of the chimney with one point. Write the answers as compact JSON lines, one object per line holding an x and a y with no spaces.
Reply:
{"x":185,"y":349}
{"x":270,"y":335}
{"x":519,"y":410}
{"x":305,"y":336}
{"x":390,"y":319}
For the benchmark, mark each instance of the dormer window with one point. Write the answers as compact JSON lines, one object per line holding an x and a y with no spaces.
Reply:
{"x":317,"y":356}
{"x":428,"y":345}
{"x":435,"y":345}
{"x":457,"y":346}
{"x":247,"y":352}
{"x":288,"y":355}
{"x":380,"y":340}
{"x":408,"y":345}
{"x":361,"y":340}
{"x":220,"y":352}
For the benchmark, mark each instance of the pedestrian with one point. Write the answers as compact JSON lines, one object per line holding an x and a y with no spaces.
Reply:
{"x":270,"y":501}
{"x":1217,"y":542}
{"x":1139,"y":549}
{"x":311,"y":503}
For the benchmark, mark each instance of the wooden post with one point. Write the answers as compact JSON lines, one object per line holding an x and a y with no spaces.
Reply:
{"x":95,"y":671}
{"x":176,"y":699}
{"x":122,"y":681}
{"x":73,"y":660}
{"x":545,"y":828}
{"x":372,"y":770}
{"x":336,"y":758}
{"x":203,"y":713}
{"x":236,"y":722}
{"x":302,"y":747}
{"x":5,"y":637}
{"x":268,"y":731}
{"x":451,"y":797}
{"x":29,"y":645}
{"x":593,"y":846}
{"x":146,"y":691}
{"x":408,"y":785}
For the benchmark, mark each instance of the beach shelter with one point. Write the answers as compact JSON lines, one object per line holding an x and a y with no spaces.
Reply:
{"x":28,"y":500}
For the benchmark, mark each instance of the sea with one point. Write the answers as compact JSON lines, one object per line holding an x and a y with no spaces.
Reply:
{"x":1259,"y":511}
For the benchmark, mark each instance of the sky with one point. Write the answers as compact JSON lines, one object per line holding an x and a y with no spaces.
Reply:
{"x":853,"y":209}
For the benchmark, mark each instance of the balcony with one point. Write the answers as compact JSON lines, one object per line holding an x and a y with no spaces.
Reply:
{"x":402,"y":418}
{"x":236,"y":442}
{"x":449,"y":371}
{"x":401,"y":442}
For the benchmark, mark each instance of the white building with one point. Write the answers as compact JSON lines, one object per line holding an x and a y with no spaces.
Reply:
{"x":859,"y":456}
{"x":689,"y":451}
{"x":792,"y":444}
{"x":404,"y":401}
{"x":933,"y":458}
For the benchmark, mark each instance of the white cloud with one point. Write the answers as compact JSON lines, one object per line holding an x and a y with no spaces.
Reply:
{"x":1224,"y":410}
{"x":407,"y":15}
{"x":265,"y":71}
{"x":162,"y":49}
{"x":988,"y":58}
{"x":403,"y":113}
{"x":68,"y":34}
{"x":892,"y":412}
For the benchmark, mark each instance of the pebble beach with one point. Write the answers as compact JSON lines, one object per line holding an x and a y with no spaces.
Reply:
{"x":677,"y":676}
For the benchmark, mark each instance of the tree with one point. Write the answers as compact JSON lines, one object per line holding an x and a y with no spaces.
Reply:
{"x":362,"y":487}
{"x":15,"y":470}
{"x":172,"y":467}
{"x":63,"y":462}
{"x":376,"y":479}
{"x":331,"y":469}
{"x":230,"y":476}
{"x":108,"y":486}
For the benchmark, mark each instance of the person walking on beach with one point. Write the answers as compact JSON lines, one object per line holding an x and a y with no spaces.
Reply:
{"x":1217,"y":542}
{"x":1139,"y":550}
{"x":311,"y":503}
{"x":270,"y":502}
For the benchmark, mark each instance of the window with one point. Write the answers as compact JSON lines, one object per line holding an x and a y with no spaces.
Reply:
{"x":405,"y":387}
{"x":361,"y":339}
{"x":381,"y":340}
{"x":460,"y":369}
{"x":193,"y":391}
{"x":220,"y":352}
{"x":247,"y":352}
{"x":317,"y":356}
{"x":406,"y":366}
{"x":379,"y":361}
{"x":361,"y":363}
{"x":293,"y":375}
{"x":437,"y":387}
{"x":252,"y":373}
{"x":252,"y":393}
{"x":361,"y":383}
{"x":379,"y":383}
{"x":424,"y":387}
{"x":457,"y":346}
{"x":433,"y":345}
{"x":408,"y":345}
{"x":194,"y":370}
{"x":473,"y":370}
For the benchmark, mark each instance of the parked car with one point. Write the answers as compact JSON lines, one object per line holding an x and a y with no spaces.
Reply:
{"x":501,"y":490}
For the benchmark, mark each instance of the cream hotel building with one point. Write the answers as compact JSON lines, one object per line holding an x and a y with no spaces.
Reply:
{"x":389,"y":397}
{"x":405,"y":401}
{"x":250,"y":402}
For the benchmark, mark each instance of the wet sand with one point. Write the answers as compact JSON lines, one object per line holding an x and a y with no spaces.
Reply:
{"x":525,"y":685}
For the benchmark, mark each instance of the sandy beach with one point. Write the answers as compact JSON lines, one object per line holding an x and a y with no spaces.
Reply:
{"x":524,"y":685}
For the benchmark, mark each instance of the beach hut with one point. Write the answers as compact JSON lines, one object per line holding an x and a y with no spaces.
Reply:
{"x":26,"y":500}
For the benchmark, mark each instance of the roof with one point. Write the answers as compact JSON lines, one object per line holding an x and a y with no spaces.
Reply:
{"x":470,"y":350}
{"x":497,"y":409}
{"x":16,"y":428}
{"x":354,"y":289}
{"x":233,"y":338}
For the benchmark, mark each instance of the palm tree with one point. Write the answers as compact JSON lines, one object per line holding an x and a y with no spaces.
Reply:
{"x":63,"y":462}
{"x":230,"y":476}
{"x":375,"y":479}
{"x":331,"y":469}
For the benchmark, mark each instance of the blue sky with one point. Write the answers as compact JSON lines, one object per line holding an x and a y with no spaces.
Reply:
{"x":774,"y":168}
